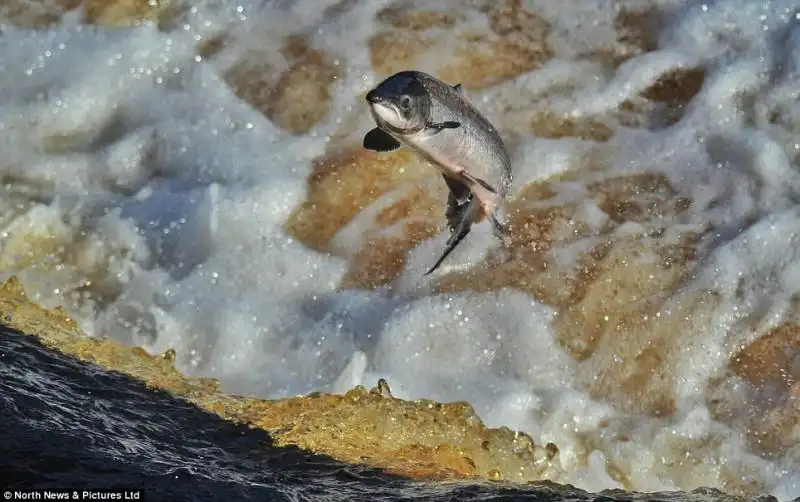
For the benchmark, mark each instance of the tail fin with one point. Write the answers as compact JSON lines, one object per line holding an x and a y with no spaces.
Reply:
{"x":459,"y":232}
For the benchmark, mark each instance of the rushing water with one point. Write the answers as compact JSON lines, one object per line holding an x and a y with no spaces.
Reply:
{"x":68,"y":425}
{"x":150,"y":173}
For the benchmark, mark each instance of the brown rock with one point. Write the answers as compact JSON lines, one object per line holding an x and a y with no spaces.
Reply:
{"x":124,"y":12}
{"x":676,"y":87}
{"x":770,"y":413}
{"x":659,"y":105}
{"x":619,"y":326}
{"x":771,"y":419}
{"x":382,"y":258}
{"x":514,"y":43}
{"x":613,"y":292}
{"x":299,"y":98}
{"x":609,"y":297}
{"x":419,"y":20}
{"x":421,"y":439}
{"x":547,"y":124}
{"x":36,"y":238}
{"x":392,"y":51}
{"x":673,"y":91}
{"x":344,"y":183}
{"x":771,"y":358}
{"x":609,"y":314}
{"x":637,"y":30}
{"x":411,"y":33}
{"x":210,"y":47}
{"x":35,"y":14}
{"x":776,"y":430}
{"x":57,"y":330}
{"x":638,"y":197}
{"x":427,"y":439}
{"x":637,"y":27}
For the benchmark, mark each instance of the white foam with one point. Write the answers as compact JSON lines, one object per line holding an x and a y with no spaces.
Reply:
{"x":472,"y":250}
{"x":170,"y":194}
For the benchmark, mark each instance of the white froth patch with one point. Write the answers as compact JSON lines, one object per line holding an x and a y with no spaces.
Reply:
{"x":467,"y":342}
{"x":539,"y":159}
{"x":578,"y":26}
{"x":211,"y":183}
{"x":747,"y":274}
{"x":472,"y":249}
{"x":349,"y":240}
{"x":632,"y":77}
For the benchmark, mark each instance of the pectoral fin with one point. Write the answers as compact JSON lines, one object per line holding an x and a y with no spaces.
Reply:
{"x":457,"y":201}
{"x":450,"y":124}
{"x":380,"y":141}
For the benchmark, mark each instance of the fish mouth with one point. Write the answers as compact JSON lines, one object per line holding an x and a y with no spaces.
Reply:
{"x":375,"y":97}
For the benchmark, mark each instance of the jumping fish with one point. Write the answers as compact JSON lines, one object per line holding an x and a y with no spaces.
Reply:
{"x":435,"y":119}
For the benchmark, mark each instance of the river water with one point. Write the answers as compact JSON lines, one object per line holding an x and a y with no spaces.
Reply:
{"x":68,"y":425}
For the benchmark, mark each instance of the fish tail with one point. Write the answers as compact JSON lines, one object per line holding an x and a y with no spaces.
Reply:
{"x":459,"y":232}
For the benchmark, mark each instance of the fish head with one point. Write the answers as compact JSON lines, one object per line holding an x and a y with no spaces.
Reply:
{"x":400,"y":104}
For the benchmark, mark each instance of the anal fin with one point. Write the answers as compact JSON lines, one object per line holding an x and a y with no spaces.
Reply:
{"x":457,"y":200}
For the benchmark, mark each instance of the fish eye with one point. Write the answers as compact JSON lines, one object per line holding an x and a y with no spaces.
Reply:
{"x":405,"y":102}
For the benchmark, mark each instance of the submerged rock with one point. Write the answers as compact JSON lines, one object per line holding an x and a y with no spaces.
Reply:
{"x":38,"y":14}
{"x":124,"y":12}
{"x":513,"y":41}
{"x":421,"y":439}
{"x":295,"y":99}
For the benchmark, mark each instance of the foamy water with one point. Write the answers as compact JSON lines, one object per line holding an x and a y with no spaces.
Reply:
{"x":143,"y":193}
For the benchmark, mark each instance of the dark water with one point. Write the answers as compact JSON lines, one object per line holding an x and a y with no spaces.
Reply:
{"x":65,"y":424}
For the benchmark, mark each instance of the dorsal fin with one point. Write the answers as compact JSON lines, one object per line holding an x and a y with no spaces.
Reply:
{"x":458,"y":88}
